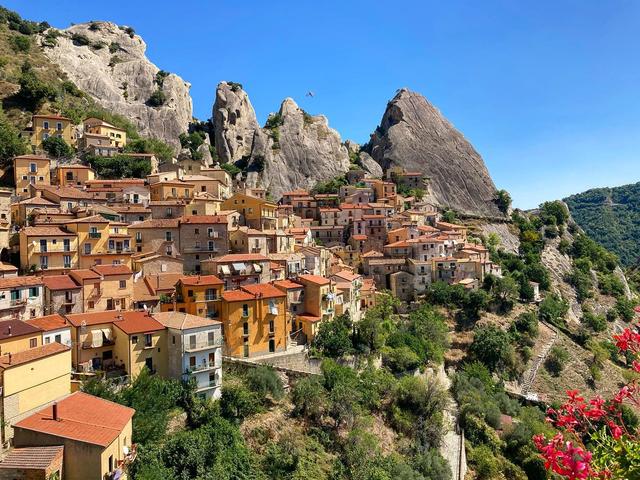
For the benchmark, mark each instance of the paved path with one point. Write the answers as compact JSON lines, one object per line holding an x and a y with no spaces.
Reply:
{"x":530,"y":375}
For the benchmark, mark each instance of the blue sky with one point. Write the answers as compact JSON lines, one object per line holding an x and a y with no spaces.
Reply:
{"x":547,"y":91}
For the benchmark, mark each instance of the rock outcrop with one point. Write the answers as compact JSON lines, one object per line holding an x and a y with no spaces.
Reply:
{"x":108,"y":62}
{"x":414,"y":135}
{"x":234,"y":122}
{"x":295,"y":150}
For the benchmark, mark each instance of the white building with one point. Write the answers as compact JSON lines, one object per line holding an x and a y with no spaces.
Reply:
{"x":194,"y":349}
{"x":55,"y":328}
{"x":21,"y":298}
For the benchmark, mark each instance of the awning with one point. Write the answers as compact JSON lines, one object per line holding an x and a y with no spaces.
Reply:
{"x":238,"y":267}
{"x":225,"y":269}
{"x":96,"y":338}
{"x":257,"y":267}
{"x":107,"y":333}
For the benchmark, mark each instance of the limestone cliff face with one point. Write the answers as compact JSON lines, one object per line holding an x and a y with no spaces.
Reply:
{"x":414,"y":135}
{"x":114,"y":70}
{"x":234,"y":123}
{"x":296,"y":150}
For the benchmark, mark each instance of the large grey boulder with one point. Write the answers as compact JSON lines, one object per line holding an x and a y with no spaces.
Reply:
{"x":414,"y":135}
{"x":298,"y":152}
{"x":234,"y":122}
{"x":114,"y":70}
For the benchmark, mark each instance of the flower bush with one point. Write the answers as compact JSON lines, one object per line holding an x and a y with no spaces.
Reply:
{"x":594,"y":440}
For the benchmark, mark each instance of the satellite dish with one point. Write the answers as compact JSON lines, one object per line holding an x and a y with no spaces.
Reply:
{"x":144,"y":305}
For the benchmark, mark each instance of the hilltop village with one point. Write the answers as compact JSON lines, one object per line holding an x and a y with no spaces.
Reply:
{"x":179,"y":271}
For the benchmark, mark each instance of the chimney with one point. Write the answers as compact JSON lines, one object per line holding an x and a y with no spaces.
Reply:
{"x":9,"y":358}
{"x":9,"y":329}
{"x":55,"y":411}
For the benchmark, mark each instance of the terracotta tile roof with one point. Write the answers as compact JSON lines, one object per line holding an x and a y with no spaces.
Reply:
{"x":398,"y":244}
{"x":372,"y":217}
{"x":36,"y":201}
{"x":106,"y":270}
{"x":183,"y":321}
{"x":127,"y":321}
{"x":241,"y":257}
{"x":201,"y":280}
{"x":7,"y":267}
{"x":65,"y":192}
{"x":83,"y":274}
{"x":157,"y":223}
{"x":372,"y":254}
{"x":25,"y":281}
{"x":359,"y":237}
{"x":317,"y":279}
{"x":11,"y":360}
{"x":57,"y":117}
{"x":368,"y":284}
{"x":59,"y":282}
{"x":91,"y":219}
{"x":263,"y":290}
{"x":287,"y":285}
{"x":167,"y":203}
{"x":237,"y":296}
{"x":76,"y":166}
{"x":125,"y":181}
{"x":347,"y":275}
{"x":162,"y":282}
{"x":81,"y":417}
{"x":204,"y":219}
{"x":49,"y":322}
{"x":143,"y":293}
{"x":46,"y":232}
{"x":173,"y":182}
{"x":307,"y":317}
{"x":32,"y":458}
{"x":16,"y":328}
{"x":131,"y":208}
{"x":295,"y":192}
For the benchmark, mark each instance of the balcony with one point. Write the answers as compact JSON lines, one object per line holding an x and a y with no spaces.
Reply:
{"x":208,"y":386}
{"x":105,"y":343}
{"x":202,"y":367}
{"x":54,"y":249}
{"x":18,"y":302}
{"x":95,"y":235}
{"x":95,"y":293}
{"x":194,"y":347}
{"x":203,"y":248}
{"x":118,"y":250}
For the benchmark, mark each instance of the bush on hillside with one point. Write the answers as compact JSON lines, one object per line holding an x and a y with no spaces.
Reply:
{"x":556,"y":360}
{"x":56,"y":147}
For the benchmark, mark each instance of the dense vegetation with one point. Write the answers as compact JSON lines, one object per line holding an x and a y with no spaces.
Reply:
{"x":611,"y":216}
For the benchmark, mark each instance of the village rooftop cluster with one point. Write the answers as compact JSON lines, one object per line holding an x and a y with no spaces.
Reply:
{"x":177,"y":272}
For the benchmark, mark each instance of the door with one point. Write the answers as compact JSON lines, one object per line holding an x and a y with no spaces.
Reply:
{"x":149,"y":364}
{"x":272,"y":345}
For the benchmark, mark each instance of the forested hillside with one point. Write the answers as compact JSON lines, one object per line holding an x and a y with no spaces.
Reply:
{"x":611,"y":216}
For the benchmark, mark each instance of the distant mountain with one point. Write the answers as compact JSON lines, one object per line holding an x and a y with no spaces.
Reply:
{"x":611,"y":216}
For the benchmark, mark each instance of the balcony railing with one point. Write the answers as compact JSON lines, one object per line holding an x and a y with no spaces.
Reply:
{"x":55,"y":249}
{"x":203,"y":248}
{"x":202,"y":367}
{"x":95,"y":235}
{"x":118,"y":250}
{"x":208,"y":385}
{"x":192,"y":347}
{"x":96,"y":292}
{"x":18,"y":301}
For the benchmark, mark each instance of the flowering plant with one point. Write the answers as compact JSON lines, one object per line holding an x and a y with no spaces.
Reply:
{"x":594,"y":441}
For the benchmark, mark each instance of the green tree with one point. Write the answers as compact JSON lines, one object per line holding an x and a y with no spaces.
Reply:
{"x":11,"y":144}
{"x":33,"y":91}
{"x":503,"y":200}
{"x":307,"y":396}
{"x":401,"y":359}
{"x":556,"y":360}
{"x":237,"y":402}
{"x":492,"y":346}
{"x":553,"y":309}
{"x":56,"y":147}
{"x":334,"y":337}
{"x":265,"y":381}
{"x":20,"y":43}
{"x":157,"y":98}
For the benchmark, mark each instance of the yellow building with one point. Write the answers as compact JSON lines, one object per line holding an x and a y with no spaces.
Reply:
{"x":96,"y":435}
{"x":171,"y":190}
{"x":32,"y":379}
{"x":100,"y":244}
{"x":105,"y":287}
{"x":255,"y":212}
{"x":198,"y":295}
{"x":45,"y":126}
{"x":48,"y":248}
{"x":117,"y":136}
{"x":18,"y":336}
{"x":30,"y":170}
{"x":118,"y":340}
{"x":319,"y":298}
{"x":74,"y":175}
{"x":254,"y":320}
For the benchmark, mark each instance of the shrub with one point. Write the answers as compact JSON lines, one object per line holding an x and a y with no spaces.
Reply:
{"x":334,"y":337}
{"x":307,"y":396}
{"x":56,"y":147}
{"x":114,"y":47}
{"x":401,"y":359}
{"x":582,"y":283}
{"x":624,"y":308}
{"x":503,"y":200}
{"x":11,"y":144}
{"x":157,"y":98}
{"x":231,"y":169}
{"x":553,"y":309}
{"x":20,"y":43}
{"x":556,"y":360}
{"x":80,"y":40}
{"x":597,"y":323}
{"x":432,"y":465}
{"x":265,"y":381}
{"x":33,"y":91}
{"x":130,"y":31}
{"x":237,"y":402}
{"x":492,"y":346}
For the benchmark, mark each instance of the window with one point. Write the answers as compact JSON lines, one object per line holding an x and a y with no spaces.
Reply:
{"x":87,"y":249}
{"x":245,"y":310}
{"x":192,"y":341}
{"x":169,"y":212}
{"x":211,"y":246}
{"x":272,"y":345}
{"x":33,"y":168}
{"x":58,"y":338}
{"x":272,"y":326}
{"x":123,"y":284}
{"x":210,"y":338}
{"x":189,"y":293}
{"x":47,"y":340}
{"x":134,"y":339}
{"x":66,"y":245}
{"x":45,"y":125}
{"x":33,"y":291}
{"x":91,"y":305}
{"x":210,"y":294}
{"x":59,"y":126}
{"x":167,"y":236}
{"x":192,"y":362}
{"x":245,"y":328}
{"x":147,"y":339}
{"x":196,"y":231}
{"x":138,"y":237}
{"x":33,"y":342}
{"x":66,"y":259}
{"x":43,"y":245}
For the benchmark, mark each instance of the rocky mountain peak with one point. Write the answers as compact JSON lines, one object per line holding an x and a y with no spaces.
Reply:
{"x":234,"y":122}
{"x":108,"y":62}
{"x":414,"y":135}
